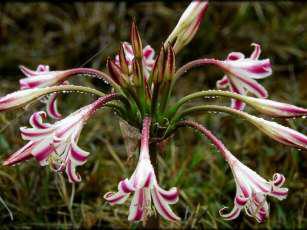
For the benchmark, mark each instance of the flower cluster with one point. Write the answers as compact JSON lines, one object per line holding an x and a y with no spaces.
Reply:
{"x":142,"y":85}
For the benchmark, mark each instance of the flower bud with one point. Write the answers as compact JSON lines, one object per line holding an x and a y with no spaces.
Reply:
{"x":21,"y":98}
{"x":136,"y":41}
{"x":187,"y":25}
{"x":279,"y":133}
{"x":169,"y":63}
{"x":123,"y":61}
{"x":275,"y":109}
{"x":116,"y":73}
{"x":158,"y":69}
{"x":137,"y":72}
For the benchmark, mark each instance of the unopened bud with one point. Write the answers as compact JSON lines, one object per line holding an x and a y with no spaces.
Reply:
{"x":158,"y":69}
{"x":137,"y":72}
{"x":123,"y":61}
{"x":136,"y":41}
{"x":169,"y":63}
{"x":116,"y":73}
{"x":187,"y":25}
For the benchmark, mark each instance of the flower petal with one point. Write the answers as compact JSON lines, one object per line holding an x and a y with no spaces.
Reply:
{"x":77,"y":155}
{"x":73,"y":176}
{"x":162,"y":206}
{"x":223,"y":83}
{"x":52,"y":108}
{"x":42,"y":150}
{"x":21,"y":155}
{"x":233,"y":214}
{"x":136,"y":209}
{"x":257,"y":51}
{"x":252,"y":86}
{"x":116,"y":198}
{"x":36,"y":120}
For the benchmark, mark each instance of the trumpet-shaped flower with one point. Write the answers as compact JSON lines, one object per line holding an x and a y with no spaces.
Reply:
{"x":252,"y":190}
{"x":43,"y":77}
{"x":20,"y":98}
{"x":275,"y":108}
{"x":148,"y":58}
{"x":279,"y":133}
{"x":241,"y":72}
{"x":56,"y":144}
{"x":143,"y":183}
{"x":187,"y":25}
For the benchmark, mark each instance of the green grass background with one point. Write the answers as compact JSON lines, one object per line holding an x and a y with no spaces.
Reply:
{"x":68,"y":35}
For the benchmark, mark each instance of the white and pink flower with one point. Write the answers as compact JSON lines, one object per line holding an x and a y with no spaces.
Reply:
{"x":143,"y":183}
{"x":148,"y":58}
{"x":279,"y":132}
{"x":252,"y":190}
{"x":21,"y":98}
{"x":241,"y":72}
{"x":275,"y":108}
{"x":42,"y":77}
{"x":56,"y":144}
{"x":187,"y":25}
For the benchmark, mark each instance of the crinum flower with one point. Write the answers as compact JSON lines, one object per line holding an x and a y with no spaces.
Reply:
{"x":43,"y":77}
{"x":143,"y":183}
{"x":241,"y":72}
{"x":141,"y":95}
{"x":252,"y":189}
{"x":56,"y":144}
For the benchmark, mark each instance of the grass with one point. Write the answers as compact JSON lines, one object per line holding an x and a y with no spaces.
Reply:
{"x":66,"y":36}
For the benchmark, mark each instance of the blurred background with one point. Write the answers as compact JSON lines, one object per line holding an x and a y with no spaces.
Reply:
{"x":85,"y":34}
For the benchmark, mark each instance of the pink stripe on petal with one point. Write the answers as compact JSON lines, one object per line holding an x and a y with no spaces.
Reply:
{"x":222,"y":83}
{"x":78,"y":154}
{"x":162,"y":207}
{"x":234,"y":56}
{"x":254,"y":87}
{"x":236,"y":104}
{"x":147,"y":52}
{"x":32,"y":133}
{"x":234,"y":213}
{"x":148,"y":180}
{"x":139,"y":203}
{"x":241,"y":200}
{"x":262,"y":68}
{"x":52,"y":109}
{"x":115,"y":198}
{"x":278,"y":179}
{"x":71,"y":173}
{"x":128,"y":48}
{"x":170,"y":196}
{"x":283,"y":192}
{"x":43,"y":153}
{"x":36,"y":120}
{"x":21,"y":155}
{"x":125,"y":186}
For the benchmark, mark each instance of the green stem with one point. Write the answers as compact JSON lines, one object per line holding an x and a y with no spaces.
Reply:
{"x":217,"y":108}
{"x":200,"y":94}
